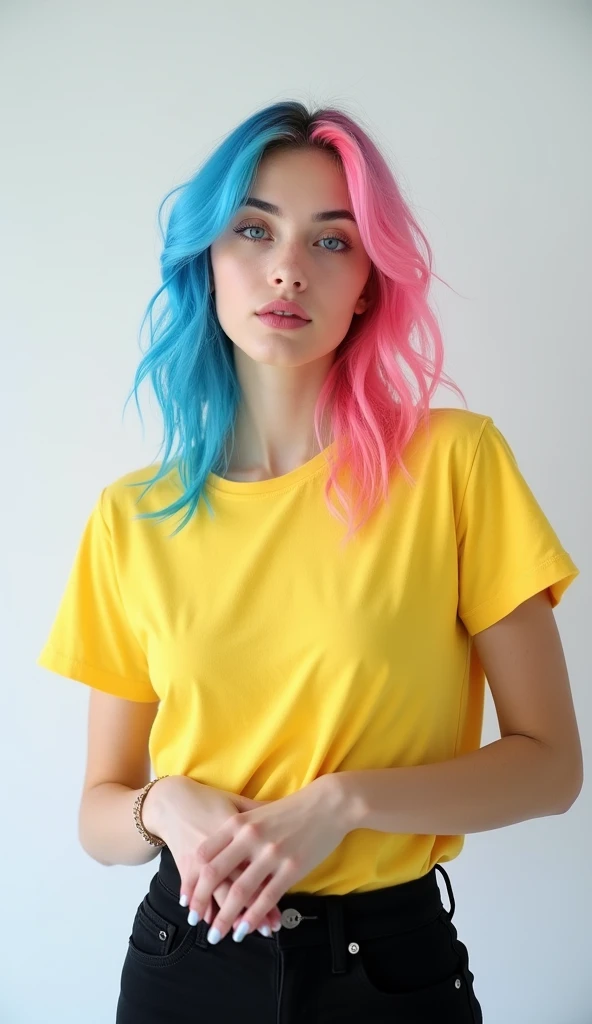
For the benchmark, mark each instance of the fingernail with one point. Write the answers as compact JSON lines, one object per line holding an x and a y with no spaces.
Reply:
{"x":193,"y":917}
{"x":241,"y":931}
{"x":276,"y":927}
{"x":214,"y":936}
{"x":184,"y":900}
{"x":265,"y":930}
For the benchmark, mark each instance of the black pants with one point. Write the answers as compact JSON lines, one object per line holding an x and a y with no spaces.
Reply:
{"x":390,"y":955}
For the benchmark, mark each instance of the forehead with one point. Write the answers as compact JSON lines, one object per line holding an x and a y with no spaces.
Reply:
{"x":306,"y":179}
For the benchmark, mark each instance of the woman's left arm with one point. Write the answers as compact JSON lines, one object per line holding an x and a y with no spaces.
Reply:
{"x":534,"y":770}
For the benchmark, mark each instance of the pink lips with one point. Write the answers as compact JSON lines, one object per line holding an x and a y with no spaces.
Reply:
{"x":282,"y":322}
{"x":283,"y":306}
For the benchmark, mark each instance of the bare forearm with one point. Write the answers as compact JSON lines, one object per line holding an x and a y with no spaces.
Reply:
{"x":511,"y":780}
{"x":106,"y":826}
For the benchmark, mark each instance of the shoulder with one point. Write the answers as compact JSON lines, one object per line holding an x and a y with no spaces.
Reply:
{"x":452,"y":432}
{"x":453,"y":423}
{"x":133,"y":493}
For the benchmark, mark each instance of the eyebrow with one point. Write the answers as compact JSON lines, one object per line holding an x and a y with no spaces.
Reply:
{"x":275,"y":211}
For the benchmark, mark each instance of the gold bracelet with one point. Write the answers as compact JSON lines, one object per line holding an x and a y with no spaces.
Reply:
{"x":153,"y":840}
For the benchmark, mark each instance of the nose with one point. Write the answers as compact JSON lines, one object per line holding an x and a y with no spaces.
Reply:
{"x":287,"y":271}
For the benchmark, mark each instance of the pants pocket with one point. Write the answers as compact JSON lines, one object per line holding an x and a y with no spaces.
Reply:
{"x":159,"y":937}
{"x":417,"y":976}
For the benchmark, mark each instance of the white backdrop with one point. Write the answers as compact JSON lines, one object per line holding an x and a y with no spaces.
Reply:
{"x":481,"y":109}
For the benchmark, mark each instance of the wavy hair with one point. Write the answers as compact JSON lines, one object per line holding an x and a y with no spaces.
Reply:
{"x":372,"y":410}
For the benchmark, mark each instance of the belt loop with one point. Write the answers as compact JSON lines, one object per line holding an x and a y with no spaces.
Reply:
{"x":450,"y":912}
{"x":336,"y":934}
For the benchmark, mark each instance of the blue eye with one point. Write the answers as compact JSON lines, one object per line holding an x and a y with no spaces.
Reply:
{"x":333,"y":238}
{"x":326,"y":238}
{"x":249,"y":227}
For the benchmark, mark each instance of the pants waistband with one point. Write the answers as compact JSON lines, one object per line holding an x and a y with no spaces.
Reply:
{"x":309,"y":919}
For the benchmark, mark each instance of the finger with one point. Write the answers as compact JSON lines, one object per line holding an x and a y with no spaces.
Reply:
{"x":212,"y":910}
{"x":189,"y":877}
{"x":217,"y":901}
{"x":244,"y":803}
{"x":188,"y":868}
{"x":212,"y":873}
{"x":214,"y":844}
{"x":222,"y":891}
{"x":240,"y":897}
{"x":273,"y":891}
{"x":188,"y":872}
{"x":272,"y":922}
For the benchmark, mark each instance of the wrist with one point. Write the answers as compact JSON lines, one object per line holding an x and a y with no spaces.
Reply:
{"x":342,"y":800}
{"x":153,"y":809}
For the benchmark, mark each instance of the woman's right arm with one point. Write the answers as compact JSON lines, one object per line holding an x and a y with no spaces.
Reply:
{"x":117,"y":769}
{"x":176,"y":806}
{"x":106,"y":826}
{"x":177,"y":809}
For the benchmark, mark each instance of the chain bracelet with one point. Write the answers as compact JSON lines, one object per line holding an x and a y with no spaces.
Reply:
{"x":138,"y":803}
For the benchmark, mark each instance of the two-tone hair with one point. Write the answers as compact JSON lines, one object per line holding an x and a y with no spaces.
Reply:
{"x":366,"y":397}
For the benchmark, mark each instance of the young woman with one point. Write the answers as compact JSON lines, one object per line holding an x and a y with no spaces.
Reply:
{"x":311,"y":702}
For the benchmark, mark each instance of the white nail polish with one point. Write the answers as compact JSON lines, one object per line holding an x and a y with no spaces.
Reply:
{"x":241,"y":931}
{"x":184,"y":901}
{"x":265,"y":930}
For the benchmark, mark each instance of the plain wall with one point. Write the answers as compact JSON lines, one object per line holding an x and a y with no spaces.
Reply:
{"x":481,"y":108}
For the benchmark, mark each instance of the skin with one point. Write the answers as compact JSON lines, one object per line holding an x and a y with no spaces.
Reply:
{"x":281,"y":372}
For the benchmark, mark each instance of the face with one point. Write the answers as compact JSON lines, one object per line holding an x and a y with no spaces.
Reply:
{"x":262,"y":257}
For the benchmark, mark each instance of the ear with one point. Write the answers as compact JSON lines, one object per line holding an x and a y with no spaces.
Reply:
{"x":365,"y":297}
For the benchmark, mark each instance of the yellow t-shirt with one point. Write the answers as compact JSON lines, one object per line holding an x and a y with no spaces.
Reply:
{"x":278,"y":655}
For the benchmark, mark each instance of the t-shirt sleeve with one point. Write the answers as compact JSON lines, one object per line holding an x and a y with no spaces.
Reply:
{"x":507,"y":549}
{"x":91,"y":639}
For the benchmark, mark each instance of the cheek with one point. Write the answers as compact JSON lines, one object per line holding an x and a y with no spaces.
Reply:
{"x":342,"y":289}
{"x":234,"y":266}
{"x":237,"y":290}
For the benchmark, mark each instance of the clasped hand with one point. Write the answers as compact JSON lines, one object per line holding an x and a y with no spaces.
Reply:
{"x":281,"y":841}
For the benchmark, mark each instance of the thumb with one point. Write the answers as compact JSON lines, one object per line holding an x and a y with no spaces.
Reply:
{"x":244,"y":803}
